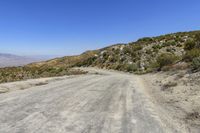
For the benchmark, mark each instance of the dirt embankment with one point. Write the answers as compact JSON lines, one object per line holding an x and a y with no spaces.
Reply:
{"x":178,"y":94}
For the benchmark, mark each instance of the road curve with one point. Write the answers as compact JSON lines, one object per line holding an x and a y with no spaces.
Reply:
{"x":107,"y":102}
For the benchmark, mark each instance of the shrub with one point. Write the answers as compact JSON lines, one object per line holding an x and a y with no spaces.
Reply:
{"x":113,"y":59}
{"x":196,"y":64}
{"x":153,"y":65}
{"x":190,"y":55}
{"x":169,"y":50}
{"x":197,"y":39}
{"x":145,"y":39}
{"x":169,"y":43}
{"x":157,"y":47}
{"x":189,"y":45}
{"x":133,"y":50}
{"x":136,"y":47}
{"x":192,"y":44}
{"x":155,"y":50}
{"x":166,"y":59}
{"x":127,"y":50}
{"x":86,"y":62}
{"x":131,"y":67}
{"x":148,"y":51}
{"x":179,"y":45}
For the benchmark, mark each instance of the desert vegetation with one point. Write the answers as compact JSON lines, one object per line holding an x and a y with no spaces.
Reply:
{"x":196,"y":64}
{"x":150,"y":54}
{"x":22,"y":73}
{"x":56,"y":67}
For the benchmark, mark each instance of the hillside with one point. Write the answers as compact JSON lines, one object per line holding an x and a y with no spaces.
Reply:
{"x":151,"y":54}
{"x":172,"y":51}
{"x":55,"y":67}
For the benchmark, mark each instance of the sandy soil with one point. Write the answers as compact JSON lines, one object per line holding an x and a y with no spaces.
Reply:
{"x":177,"y":94}
{"x":26,"y":84}
{"x":98,"y":102}
{"x":103,"y":101}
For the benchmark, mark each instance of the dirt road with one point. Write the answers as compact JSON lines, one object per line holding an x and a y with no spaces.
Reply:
{"x":99,"y":102}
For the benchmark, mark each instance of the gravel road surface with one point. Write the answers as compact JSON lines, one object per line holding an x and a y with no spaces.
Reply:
{"x":99,"y":102}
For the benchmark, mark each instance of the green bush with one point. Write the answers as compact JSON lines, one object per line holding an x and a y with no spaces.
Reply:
{"x":156,"y":47}
{"x":145,"y":39}
{"x":131,"y":67}
{"x":190,"y":55}
{"x":166,"y":59}
{"x":86,"y":62}
{"x":196,"y":64}
{"x":148,"y":51}
{"x":169,"y":50}
{"x":136,"y":47}
{"x":193,"y":44}
{"x":169,"y":43}
{"x":189,"y":45}
{"x":197,"y":39}
{"x":133,"y":50}
{"x":127,"y":50}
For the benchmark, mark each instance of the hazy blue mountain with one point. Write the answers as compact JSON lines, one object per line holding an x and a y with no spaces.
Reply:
{"x":8,"y":60}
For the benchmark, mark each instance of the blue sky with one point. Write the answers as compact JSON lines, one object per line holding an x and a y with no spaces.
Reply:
{"x":67,"y":27}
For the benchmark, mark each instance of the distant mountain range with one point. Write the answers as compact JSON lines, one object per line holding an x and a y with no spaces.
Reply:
{"x":9,"y":60}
